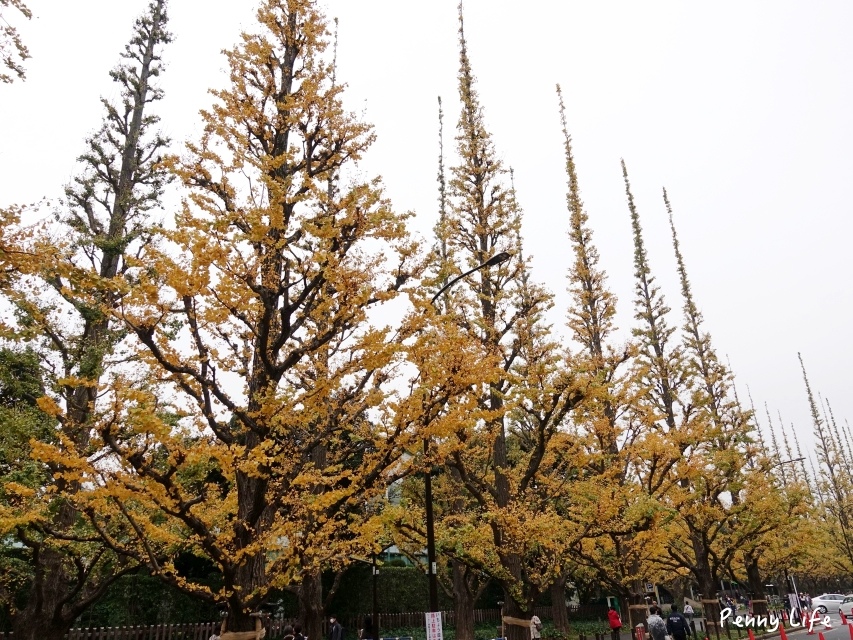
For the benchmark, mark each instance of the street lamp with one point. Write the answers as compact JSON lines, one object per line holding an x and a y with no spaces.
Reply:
{"x":496,"y":259}
{"x":375,"y":572}
{"x":781,"y":462}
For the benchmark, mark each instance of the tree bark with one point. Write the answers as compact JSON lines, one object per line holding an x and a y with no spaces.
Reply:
{"x":559,"y":611}
{"x":43,"y":617}
{"x":250,"y":578}
{"x":513,"y":609}
{"x":463,"y":602}
{"x":756,"y":586}
{"x":707,"y":587}
{"x":311,"y":605}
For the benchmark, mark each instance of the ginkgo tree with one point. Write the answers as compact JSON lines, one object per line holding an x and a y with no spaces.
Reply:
{"x":713,"y":515}
{"x":609,"y":504}
{"x":501,"y":441}
{"x":251,"y":316}
{"x":61,"y":280}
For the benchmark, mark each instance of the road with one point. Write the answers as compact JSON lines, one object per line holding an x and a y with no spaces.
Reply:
{"x":838,"y":631}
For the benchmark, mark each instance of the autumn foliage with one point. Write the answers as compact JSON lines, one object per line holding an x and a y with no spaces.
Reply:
{"x":216,"y":382}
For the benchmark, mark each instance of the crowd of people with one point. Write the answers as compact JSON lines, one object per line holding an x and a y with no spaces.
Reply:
{"x":676,"y":625}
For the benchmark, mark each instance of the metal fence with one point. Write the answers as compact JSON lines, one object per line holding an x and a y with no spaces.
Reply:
{"x":203,"y":630}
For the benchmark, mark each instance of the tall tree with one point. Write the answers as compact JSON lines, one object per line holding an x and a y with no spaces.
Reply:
{"x":608,"y":439}
{"x":66,"y":279}
{"x":719,"y":500}
{"x":659,"y":380}
{"x":505,"y":446}
{"x":252,"y":316}
{"x":835,"y":484}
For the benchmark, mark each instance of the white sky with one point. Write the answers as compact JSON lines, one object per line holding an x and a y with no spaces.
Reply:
{"x":742,"y":110}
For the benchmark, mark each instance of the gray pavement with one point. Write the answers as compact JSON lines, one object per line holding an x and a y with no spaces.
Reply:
{"x":838,"y":632}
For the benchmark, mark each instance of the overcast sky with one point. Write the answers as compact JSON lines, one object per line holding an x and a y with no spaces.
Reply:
{"x":741,"y":110}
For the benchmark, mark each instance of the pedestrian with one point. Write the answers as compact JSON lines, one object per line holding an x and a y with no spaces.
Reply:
{"x":535,"y":627}
{"x":297,"y":632}
{"x":288,"y":633}
{"x":688,"y":612}
{"x":367,"y":630}
{"x":336,"y":631}
{"x":615,"y":622}
{"x":805,"y":612}
{"x":677,"y":625}
{"x":656,"y":625}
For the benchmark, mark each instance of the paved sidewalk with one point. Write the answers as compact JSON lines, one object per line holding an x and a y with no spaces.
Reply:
{"x":837,"y":632}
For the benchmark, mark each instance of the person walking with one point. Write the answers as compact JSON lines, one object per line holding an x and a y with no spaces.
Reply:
{"x":677,"y":625}
{"x":615,"y":622}
{"x":535,"y":627}
{"x":367,"y":630}
{"x":656,"y":625}
{"x":336,"y":631}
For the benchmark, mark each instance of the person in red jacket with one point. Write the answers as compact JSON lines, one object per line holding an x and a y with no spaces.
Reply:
{"x":615,"y":622}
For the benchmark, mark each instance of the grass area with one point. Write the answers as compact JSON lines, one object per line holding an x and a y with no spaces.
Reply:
{"x":482,"y":631}
{"x":588,"y":628}
{"x":489,"y":630}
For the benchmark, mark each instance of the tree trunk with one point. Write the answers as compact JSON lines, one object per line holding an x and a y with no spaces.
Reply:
{"x":708,"y":589}
{"x":31,"y":625}
{"x":756,"y":586}
{"x":513,"y":609}
{"x":679,"y":589}
{"x":43,"y":617}
{"x":311,"y":605}
{"x":637,"y":609}
{"x":559,"y":611}
{"x":250,"y":574}
{"x":512,"y":562}
{"x":463,"y":602}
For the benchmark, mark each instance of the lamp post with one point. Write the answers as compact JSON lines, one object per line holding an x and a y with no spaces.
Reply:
{"x":374,"y":569}
{"x":496,"y":259}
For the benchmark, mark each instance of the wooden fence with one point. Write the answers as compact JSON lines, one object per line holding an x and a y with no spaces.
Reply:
{"x":195,"y":631}
{"x":203,"y":630}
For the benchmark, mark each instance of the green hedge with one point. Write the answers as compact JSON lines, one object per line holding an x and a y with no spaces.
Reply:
{"x":145,"y":600}
{"x":399,"y":590}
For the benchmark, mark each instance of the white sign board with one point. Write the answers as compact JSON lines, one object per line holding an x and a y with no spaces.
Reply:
{"x":650,"y":587}
{"x":794,"y":600}
{"x":433,"y":625}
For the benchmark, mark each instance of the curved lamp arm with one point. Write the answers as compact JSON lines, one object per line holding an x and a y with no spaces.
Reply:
{"x":498,"y":258}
